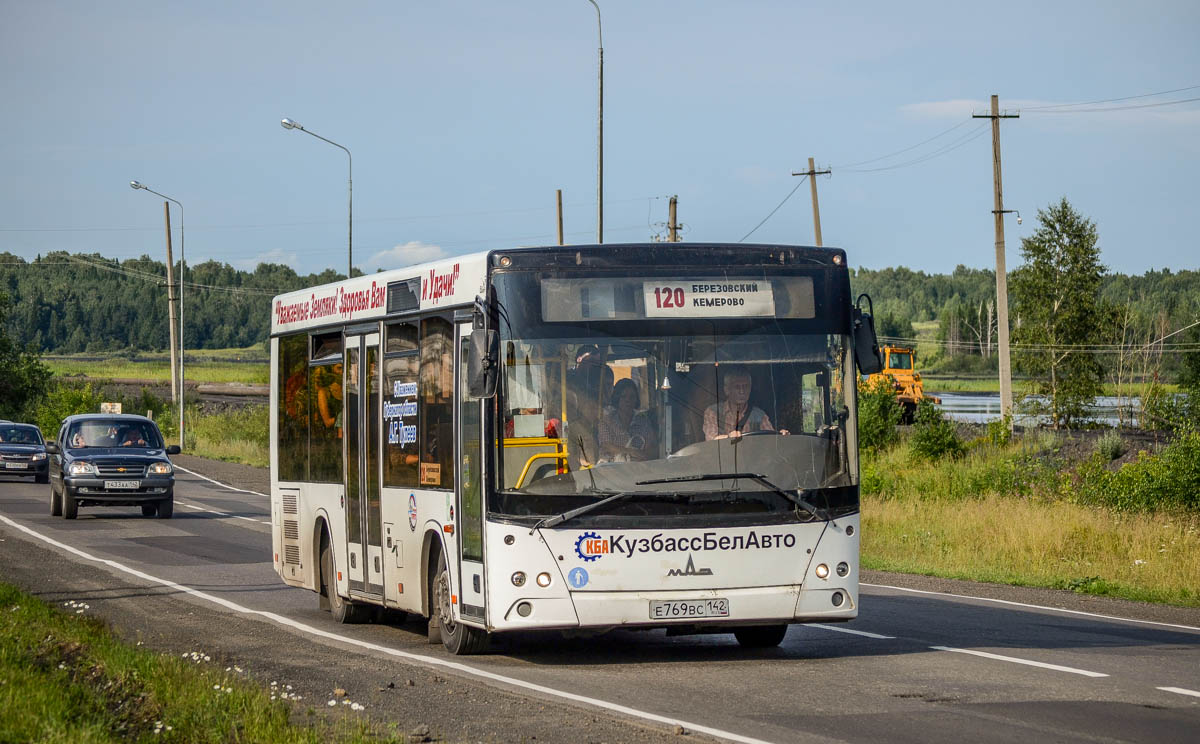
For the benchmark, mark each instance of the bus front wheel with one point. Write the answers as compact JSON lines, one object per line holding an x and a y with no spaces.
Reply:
{"x":458,"y":639}
{"x":342,"y":609}
{"x":760,"y":636}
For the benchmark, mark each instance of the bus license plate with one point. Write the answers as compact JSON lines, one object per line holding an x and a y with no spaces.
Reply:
{"x":669,"y":610}
{"x":16,"y":465}
{"x":114,"y":485}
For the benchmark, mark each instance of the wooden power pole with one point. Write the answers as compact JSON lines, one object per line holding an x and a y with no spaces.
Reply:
{"x":171,"y":302}
{"x":558,"y":198}
{"x":672,"y":224}
{"x":998,"y":212}
{"x":812,"y":173}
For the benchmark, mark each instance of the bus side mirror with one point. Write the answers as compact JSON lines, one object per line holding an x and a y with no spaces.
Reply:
{"x":866,"y":344}
{"x":483,"y":365}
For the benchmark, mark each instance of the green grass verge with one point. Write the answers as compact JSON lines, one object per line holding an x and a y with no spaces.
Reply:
{"x":207,"y":365}
{"x":67,"y":678}
{"x":234,"y":436}
{"x":1018,"y":514}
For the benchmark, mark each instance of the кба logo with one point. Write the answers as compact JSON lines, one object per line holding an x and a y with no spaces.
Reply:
{"x":590,"y":546}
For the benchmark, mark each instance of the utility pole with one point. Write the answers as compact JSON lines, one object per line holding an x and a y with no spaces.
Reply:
{"x":998,"y":212}
{"x":812,"y":173}
{"x":558,"y":198}
{"x":171,"y":301}
{"x":672,"y":225}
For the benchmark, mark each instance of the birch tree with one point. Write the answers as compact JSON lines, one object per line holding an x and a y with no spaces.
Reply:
{"x":1056,"y":293}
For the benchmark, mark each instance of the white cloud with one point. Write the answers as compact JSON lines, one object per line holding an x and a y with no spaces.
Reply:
{"x":407,"y":254}
{"x":275,"y":256}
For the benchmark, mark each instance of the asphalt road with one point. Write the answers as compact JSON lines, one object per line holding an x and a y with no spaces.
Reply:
{"x":927,"y":660}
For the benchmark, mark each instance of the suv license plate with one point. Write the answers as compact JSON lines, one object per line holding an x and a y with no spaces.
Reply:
{"x":16,"y":465}
{"x":669,"y":610}
{"x":121,"y":484}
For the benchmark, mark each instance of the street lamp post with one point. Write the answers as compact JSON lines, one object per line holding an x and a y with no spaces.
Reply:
{"x":600,"y":133}
{"x":291,"y":124}
{"x":182,"y":264}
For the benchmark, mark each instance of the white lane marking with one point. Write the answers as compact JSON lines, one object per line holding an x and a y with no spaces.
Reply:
{"x":1015,"y":660}
{"x":405,"y":655}
{"x":219,"y":483}
{"x":1032,"y":606}
{"x":221,"y":513}
{"x":1179,"y":690}
{"x":850,"y":631}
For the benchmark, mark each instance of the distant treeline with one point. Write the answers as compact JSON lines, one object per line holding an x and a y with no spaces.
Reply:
{"x":68,"y":304}
{"x":1137,"y":309}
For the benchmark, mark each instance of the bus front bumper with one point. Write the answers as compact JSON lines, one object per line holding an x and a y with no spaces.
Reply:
{"x":749,"y":606}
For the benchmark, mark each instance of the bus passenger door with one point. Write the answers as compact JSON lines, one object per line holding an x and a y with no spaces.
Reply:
{"x":362,"y":436}
{"x":469,"y":489}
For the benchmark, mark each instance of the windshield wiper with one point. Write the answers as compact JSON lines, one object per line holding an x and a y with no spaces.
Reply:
{"x":796,"y":498}
{"x":560,"y":518}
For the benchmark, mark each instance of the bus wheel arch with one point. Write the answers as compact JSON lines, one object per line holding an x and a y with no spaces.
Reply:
{"x":320,"y":539}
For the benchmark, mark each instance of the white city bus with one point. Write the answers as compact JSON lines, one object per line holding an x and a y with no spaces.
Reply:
{"x":590,"y":437}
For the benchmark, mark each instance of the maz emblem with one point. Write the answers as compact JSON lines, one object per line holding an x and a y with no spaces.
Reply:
{"x":690,"y":570}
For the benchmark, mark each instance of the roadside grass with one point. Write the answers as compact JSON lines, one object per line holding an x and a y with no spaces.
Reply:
{"x":1012,"y":514}
{"x":67,"y":678}
{"x":233,"y":436}
{"x":213,"y":366}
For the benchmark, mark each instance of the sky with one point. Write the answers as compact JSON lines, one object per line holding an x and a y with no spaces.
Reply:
{"x":464,"y":117}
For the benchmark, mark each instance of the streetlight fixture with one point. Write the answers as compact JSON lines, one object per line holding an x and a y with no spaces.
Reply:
{"x":182,"y":264}
{"x":292,"y":124}
{"x":600,"y":133}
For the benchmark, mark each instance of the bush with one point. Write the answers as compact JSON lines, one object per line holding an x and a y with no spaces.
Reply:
{"x":999,"y":432}
{"x":1109,"y":445}
{"x":1168,"y":480}
{"x":934,"y":437}
{"x":878,"y":414}
{"x":66,"y":399}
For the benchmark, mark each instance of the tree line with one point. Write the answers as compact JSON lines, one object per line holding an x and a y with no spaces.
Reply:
{"x":84,"y":303}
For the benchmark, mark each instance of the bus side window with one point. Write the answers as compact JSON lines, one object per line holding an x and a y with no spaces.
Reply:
{"x":293,"y":407}
{"x":436,"y":403}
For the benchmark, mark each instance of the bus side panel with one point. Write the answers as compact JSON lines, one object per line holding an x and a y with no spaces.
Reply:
{"x":406,"y":514}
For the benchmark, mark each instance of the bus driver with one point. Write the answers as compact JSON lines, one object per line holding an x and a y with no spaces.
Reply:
{"x":735,"y":416}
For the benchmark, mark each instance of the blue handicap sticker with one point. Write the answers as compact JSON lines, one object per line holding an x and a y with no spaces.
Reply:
{"x":578,"y":577}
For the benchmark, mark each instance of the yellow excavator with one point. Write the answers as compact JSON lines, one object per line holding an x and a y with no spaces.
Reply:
{"x":899,"y":366}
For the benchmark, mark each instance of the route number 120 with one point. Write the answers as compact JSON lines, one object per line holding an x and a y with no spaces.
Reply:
{"x":668,"y":296}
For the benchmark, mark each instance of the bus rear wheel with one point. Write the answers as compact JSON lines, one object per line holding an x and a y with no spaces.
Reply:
{"x":459,"y":639}
{"x":760,"y":636}
{"x":342,"y":609}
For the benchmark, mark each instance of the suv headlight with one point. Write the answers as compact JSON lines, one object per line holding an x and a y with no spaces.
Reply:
{"x":37,"y":456}
{"x":160,"y":468}
{"x":81,"y":468}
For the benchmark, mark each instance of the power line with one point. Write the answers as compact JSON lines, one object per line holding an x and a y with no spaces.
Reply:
{"x":1111,"y":100}
{"x":970,"y":136}
{"x":1114,"y":108}
{"x":900,"y":152}
{"x":776,"y":209}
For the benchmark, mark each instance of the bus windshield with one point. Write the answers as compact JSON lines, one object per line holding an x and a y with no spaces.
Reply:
{"x":659,"y":407}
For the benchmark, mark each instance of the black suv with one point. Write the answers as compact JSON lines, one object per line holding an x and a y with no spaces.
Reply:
{"x":111,"y":460}
{"x":22,"y":451}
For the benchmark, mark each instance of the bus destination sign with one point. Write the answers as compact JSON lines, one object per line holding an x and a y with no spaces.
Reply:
{"x":708,"y":298}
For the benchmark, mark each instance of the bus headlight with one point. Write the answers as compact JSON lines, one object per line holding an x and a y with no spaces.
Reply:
{"x":822,"y":571}
{"x":160,"y":468}
{"x":518,"y":578}
{"x":81,"y":468}
{"x":543,"y":579}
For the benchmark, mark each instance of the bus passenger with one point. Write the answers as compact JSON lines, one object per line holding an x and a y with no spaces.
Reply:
{"x":734,"y":416}
{"x":625,"y":434}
